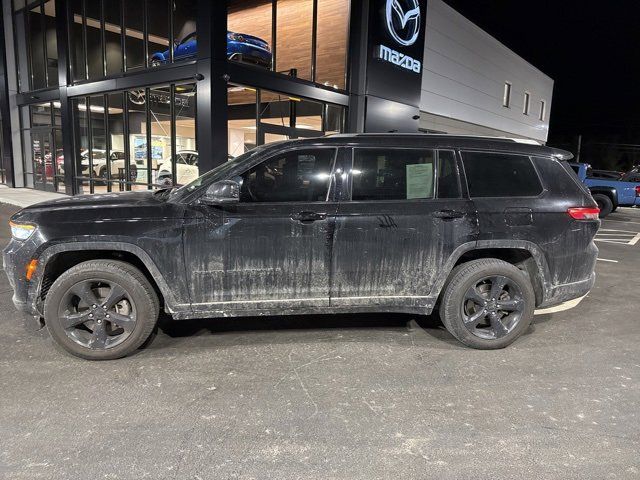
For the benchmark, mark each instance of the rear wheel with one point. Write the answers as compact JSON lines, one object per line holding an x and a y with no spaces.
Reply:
{"x":101,"y":309}
{"x":604,"y":204}
{"x":487,"y":303}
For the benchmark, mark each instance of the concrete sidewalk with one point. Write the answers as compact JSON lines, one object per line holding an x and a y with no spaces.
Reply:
{"x":23,"y":197}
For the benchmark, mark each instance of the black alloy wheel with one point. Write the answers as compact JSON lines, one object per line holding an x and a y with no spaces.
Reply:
{"x":492,"y":307}
{"x":487,"y":303}
{"x":96,"y":314}
{"x":101,"y":309}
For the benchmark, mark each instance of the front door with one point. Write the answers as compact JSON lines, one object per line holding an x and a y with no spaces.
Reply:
{"x":272,"y":249}
{"x":405,"y":218}
{"x":46,"y":154}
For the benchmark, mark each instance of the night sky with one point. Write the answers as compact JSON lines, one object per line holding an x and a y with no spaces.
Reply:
{"x":591,"y":50}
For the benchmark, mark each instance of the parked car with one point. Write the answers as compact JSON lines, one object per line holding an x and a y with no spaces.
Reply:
{"x":606,"y":174}
{"x":485,"y":230}
{"x":609,"y":194}
{"x":186,"y":168}
{"x":240,"y":46}
{"x":117,"y":163}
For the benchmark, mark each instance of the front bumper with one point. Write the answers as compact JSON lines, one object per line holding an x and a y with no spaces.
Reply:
{"x":15,"y":257}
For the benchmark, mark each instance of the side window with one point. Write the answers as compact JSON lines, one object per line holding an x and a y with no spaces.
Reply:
{"x":297,"y":176}
{"x":392,"y":174}
{"x":448,"y":184}
{"x":500,"y":175}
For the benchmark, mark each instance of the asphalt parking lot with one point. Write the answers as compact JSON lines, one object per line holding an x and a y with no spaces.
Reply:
{"x":337,"y":397}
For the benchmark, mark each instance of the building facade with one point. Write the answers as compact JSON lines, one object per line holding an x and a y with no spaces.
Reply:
{"x":473,"y":84}
{"x":118,"y":95}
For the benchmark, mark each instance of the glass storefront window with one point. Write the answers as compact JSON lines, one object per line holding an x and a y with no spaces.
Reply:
{"x":250,"y":27}
{"x":95,"y":64}
{"x":275,"y":108}
{"x":257,"y":117}
{"x":79,"y":67}
{"x":134,"y":36}
{"x":185,"y":162}
{"x":36,"y":45}
{"x":331,"y":43}
{"x":136,"y":139}
{"x":294,"y":28}
{"x":81,"y":136}
{"x":113,"y":36}
{"x":158,"y":29}
{"x":242,"y":123}
{"x":279,"y":34}
{"x":117,"y":162}
{"x":109,"y":37}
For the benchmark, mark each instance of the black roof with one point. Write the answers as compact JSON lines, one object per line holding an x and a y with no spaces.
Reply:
{"x":500,"y":144}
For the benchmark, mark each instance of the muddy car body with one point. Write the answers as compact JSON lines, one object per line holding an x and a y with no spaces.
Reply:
{"x":484,"y":229}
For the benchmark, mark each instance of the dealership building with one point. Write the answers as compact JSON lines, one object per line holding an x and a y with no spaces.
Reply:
{"x":116,"y":95}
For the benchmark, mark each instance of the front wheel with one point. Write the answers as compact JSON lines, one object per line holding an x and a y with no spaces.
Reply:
{"x":101,"y":309}
{"x":487,"y":303}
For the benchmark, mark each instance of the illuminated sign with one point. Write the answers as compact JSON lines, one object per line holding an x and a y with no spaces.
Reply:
{"x":399,"y":59}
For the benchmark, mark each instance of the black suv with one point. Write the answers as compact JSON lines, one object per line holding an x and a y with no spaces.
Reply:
{"x":483,"y":229}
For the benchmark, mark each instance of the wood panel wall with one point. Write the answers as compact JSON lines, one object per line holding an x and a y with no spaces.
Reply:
{"x":294,"y":29}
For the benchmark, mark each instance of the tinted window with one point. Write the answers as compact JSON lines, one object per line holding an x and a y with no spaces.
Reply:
{"x":500,"y":175}
{"x":392,"y":174}
{"x":299,"y":176}
{"x":448,"y":185}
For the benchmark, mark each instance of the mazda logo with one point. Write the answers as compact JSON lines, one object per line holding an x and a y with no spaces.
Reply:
{"x":137,"y":97}
{"x":403,"y":21}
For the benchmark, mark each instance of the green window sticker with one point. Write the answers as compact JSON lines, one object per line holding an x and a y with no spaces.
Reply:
{"x":420,"y":180}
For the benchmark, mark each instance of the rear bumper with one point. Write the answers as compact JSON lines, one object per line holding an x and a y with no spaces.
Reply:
{"x":568,"y":291}
{"x":246,"y":53}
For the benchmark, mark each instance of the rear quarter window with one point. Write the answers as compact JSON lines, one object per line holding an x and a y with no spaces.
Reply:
{"x":491,"y":174}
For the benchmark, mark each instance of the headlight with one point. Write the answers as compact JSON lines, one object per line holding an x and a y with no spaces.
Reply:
{"x":22,"y":231}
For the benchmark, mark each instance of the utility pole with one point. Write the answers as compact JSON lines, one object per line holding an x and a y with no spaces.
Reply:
{"x":579,"y":148}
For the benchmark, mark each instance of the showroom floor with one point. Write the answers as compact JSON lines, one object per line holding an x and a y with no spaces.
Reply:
{"x":353,"y":397}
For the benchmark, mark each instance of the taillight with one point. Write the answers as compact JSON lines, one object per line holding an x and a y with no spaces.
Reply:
{"x":584,"y":213}
{"x":638,"y":191}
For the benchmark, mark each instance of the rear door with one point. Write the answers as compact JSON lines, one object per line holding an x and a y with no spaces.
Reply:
{"x":402,"y":221}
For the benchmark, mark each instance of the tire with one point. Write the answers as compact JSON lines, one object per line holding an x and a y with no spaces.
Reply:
{"x":604,"y":204}
{"x":457,"y":310}
{"x":102,"y":174}
{"x":101,"y":282}
{"x":614,"y":209}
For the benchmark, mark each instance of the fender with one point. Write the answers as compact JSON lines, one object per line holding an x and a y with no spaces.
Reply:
{"x":531,"y":247}
{"x":171,"y":304}
{"x":611,"y":192}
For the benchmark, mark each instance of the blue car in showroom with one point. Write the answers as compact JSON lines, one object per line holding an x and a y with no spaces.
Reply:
{"x":240,"y":47}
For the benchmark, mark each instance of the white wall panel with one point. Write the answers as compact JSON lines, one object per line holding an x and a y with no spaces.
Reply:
{"x":465,"y":70}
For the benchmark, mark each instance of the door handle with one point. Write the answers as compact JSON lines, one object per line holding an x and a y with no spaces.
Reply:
{"x":448,"y":214}
{"x":308,"y":217}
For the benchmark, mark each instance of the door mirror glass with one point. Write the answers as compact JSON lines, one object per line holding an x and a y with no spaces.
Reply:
{"x":222,"y":192}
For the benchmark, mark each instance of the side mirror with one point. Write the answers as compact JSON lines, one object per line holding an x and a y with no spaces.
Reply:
{"x":222,"y":192}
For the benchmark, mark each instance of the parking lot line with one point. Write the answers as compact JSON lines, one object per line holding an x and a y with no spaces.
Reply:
{"x":622,"y":237}
{"x":607,"y":260}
